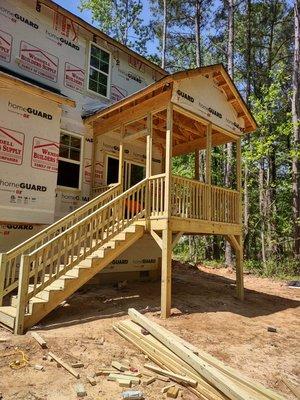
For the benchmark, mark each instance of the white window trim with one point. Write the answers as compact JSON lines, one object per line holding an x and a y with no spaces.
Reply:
{"x":109,"y":71}
{"x":80,"y":162}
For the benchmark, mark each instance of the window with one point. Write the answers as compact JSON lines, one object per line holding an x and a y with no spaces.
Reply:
{"x":69,"y":161}
{"x":99,"y":71}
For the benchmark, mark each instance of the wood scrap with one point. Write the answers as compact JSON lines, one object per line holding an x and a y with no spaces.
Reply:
{"x":119,"y":366}
{"x":91,"y":380}
{"x":149,"y":380}
{"x":64,"y":365}
{"x":115,"y":377}
{"x":124,"y":382}
{"x":104,"y":371}
{"x":171,"y":375}
{"x":39,"y":339}
{"x":295,"y":389}
{"x":77,"y":365}
{"x":173,"y":392}
{"x":166,"y":388}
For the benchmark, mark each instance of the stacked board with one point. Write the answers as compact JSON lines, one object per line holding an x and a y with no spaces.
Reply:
{"x":215,"y":380}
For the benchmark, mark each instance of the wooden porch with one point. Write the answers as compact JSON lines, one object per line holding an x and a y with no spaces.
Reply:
{"x":174,"y":205}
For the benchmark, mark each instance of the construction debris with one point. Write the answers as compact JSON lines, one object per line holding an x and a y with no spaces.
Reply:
{"x":119,"y":366}
{"x":166,"y":388}
{"x":272,"y":329}
{"x":124,"y":383}
{"x":64,"y":365}
{"x":39,"y":367}
{"x":133,"y":395}
{"x":91,"y":380}
{"x":115,"y":377}
{"x":149,"y":380}
{"x":173,"y":392}
{"x":80,"y":390}
{"x":77,"y":365}
{"x":39,"y":339}
{"x":202,"y":374}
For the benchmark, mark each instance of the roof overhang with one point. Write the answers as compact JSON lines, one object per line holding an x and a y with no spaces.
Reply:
{"x":9,"y":81}
{"x":142,"y":98}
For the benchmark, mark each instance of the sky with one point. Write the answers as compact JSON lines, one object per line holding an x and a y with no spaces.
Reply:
{"x":72,"y":6}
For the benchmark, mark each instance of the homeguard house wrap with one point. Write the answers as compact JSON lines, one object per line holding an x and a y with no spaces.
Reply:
{"x":88,"y":132}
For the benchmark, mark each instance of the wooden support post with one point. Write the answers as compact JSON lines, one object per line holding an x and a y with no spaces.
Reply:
{"x":168,"y":160}
{"x":166,"y":273}
{"x":121,"y":160}
{"x":2,"y":276}
{"x":149,"y":146}
{"x":208,"y":169}
{"x":239,"y":268}
{"x":22,"y":294}
{"x":239,"y":251}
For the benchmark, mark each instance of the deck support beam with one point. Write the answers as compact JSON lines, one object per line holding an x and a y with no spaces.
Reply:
{"x":166,"y":273}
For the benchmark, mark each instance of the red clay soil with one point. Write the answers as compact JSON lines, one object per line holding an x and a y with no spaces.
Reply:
{"x":205,"y":313}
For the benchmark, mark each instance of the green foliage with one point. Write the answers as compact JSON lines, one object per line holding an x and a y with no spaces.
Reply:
{"x":120,"y":19}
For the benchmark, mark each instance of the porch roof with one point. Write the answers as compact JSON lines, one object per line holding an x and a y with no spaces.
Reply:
{"x":197,"y":102}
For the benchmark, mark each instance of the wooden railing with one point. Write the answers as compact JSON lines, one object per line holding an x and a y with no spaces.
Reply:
{"x":156,"y":196}
{"x":10,"y":261}
{"x":53,"y":259}
{"x":194,"y":199}
{"x":96,"y":191}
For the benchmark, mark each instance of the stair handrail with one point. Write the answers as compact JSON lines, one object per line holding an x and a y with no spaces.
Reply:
{"x":9,"y":259}
{"x":43,"y":265}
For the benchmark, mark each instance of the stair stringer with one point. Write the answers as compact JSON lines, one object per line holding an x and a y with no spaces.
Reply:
{"x":40,"y":310}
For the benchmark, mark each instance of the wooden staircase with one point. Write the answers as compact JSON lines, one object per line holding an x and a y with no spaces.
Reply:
{"x":62,"y":258}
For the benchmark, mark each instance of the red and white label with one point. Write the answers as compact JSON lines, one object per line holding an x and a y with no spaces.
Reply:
{"x":87,"y":170}
{"x":5,"y":46}
{"x":117,"y":93}
{"x":38,"y":61}
{"x":136,"y":64}
{"x":74,"y":77}
{"x":98,"y":173}
{"x":11,"y":146}
{"x":65,"y":26}
{"x":44,"y":154}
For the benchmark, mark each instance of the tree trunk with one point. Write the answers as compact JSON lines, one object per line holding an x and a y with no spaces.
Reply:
{"x":230,"y":66}
{"x":164,"y":36}
{"x":197,"y":32}
{"x":296,"y":133}
{"x":262,"y":211}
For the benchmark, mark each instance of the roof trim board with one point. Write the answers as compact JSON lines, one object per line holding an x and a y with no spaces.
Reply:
{"x":13,"y":82}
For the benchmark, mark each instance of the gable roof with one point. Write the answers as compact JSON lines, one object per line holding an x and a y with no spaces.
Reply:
{"x":219,"y":74}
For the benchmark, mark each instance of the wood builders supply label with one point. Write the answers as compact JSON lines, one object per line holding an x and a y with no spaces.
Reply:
{"x":44,"y":154}
{"x":38,"y":61}
{"x":74,"y":77}
{"x":5,"y":46}
{"x":11,"y":146}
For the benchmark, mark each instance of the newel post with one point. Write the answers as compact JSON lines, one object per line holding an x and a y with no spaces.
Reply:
{"x":22,"y":294}
{"x":121,"y":160}
{"x":2,"y":276}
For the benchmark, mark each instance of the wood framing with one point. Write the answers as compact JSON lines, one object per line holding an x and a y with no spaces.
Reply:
{"x":166,"y":273}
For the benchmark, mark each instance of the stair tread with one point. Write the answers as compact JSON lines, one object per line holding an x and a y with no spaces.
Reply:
{"x":9,"y":310}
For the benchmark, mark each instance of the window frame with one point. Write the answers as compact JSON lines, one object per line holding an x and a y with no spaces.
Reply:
{"x":108,"y":75}
{"x":72,"y":161}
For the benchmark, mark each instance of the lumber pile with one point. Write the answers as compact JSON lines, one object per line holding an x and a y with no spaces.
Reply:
{"x":204,"y":375}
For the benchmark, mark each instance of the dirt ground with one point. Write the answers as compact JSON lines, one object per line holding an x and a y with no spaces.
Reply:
{"x":206,"y":314}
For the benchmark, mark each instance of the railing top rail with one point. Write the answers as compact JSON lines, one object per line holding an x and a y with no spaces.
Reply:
{"x":82,"y":221}
{"x":10,"y":254}
{"x":183,"y":178}
{"x":157,"y":176}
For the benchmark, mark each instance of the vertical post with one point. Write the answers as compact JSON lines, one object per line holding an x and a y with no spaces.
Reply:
{"x":239,"y":252}
{"x":95,"y":141}
{"x":2,"y":276}
{"x":208,"y":169}
{"x":22,"y":294}
{"x":148,"y":167}
{"x":121,"y":160}
{"x":166,"y":273}
{"x":149,"y":145}
{"x":168,"y":160}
